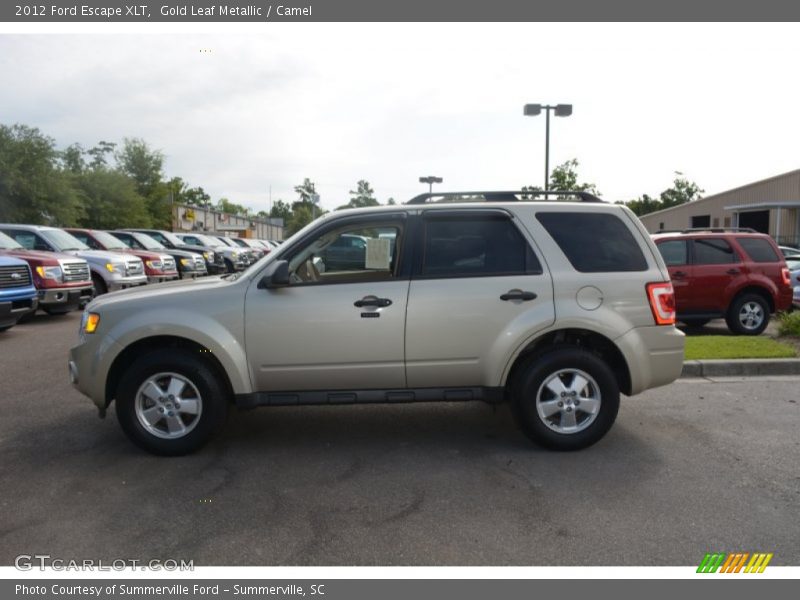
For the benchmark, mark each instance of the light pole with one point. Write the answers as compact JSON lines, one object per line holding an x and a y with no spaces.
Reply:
{"x":560,"y":110}
{"x":430,"y":180}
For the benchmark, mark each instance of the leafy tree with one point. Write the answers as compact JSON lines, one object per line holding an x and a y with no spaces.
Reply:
{"x":681,"y":192}
{"x":226,"y":206}
{"x":99,"y":152}
{"x":281,"y":210}
{"x":72,"y":159}
{"x":306,"y":190}
{"x":111,"y":200}
{"x":302,"y":215}
{"x":391,"y":202}
{"x":145,"y":166}
{"x":363,"y":196}
{"x":32,"y":187}
{"x":565,"y":178}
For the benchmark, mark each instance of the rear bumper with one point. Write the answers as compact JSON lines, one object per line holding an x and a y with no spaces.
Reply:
{"x":654,"y":356}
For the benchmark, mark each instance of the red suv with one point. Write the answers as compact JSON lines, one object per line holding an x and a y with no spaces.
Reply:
{"x":737,"y":274}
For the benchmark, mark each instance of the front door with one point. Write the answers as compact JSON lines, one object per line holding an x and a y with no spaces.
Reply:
{"x":335,"y":326}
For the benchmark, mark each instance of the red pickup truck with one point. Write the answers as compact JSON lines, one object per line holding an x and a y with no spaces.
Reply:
{"x":735,"y":273}
{"x":62,"y":281}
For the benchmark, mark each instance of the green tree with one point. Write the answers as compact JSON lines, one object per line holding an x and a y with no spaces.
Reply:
{"x":99,"y":153}
{"x":72,"y":159}
{"x":565,"y":178}
{"x":226,"y":206}
{"x":111,"y":200}
{"x":33,"y":189}
{"x":681,"y":192}
{"x":302,"y":215}
{"x":306,"y":190}
{"x":145,"y":166}
{"x":281,"y":210}
{"x":363,"y":196}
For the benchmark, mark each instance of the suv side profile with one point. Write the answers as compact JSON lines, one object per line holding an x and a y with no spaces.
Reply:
{"x":556,"y":307}
{"x":734,"y":273}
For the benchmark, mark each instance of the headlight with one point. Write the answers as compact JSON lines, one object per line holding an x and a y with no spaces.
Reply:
{"x":50,"y":273}
{"x":234,"y":254}
{"x":153,"y":264}
{"x":115,"y":268}
{"x":186,"y":262}
{"x":90,"y":322}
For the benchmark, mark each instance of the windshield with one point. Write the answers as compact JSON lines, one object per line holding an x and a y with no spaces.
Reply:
{"x":108,"y":241}
{"x":173,"y":239}
{"x":8,"y":243}
{"x":148,"y":242}
{"x":226,"y":242}
{"x":63,"y":241}
{"x":204,"y":240}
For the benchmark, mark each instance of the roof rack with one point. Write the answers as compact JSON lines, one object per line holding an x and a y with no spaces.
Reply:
{"x":710,"y":230}
{"x":512,"y":196}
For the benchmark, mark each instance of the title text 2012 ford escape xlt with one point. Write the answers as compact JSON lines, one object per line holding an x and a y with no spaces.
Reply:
{"x":556,"y":307}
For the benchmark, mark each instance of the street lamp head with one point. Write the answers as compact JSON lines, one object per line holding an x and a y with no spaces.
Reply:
{"x":531,"y":110}
{"x":563,"y":110}
{"x":430,"y":179}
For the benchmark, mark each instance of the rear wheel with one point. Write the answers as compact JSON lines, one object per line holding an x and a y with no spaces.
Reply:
{"x":566,"y":399}
{"x":171,"y":402}
{"x":748,"y":315}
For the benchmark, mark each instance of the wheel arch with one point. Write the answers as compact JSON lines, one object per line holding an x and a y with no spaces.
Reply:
{"x":585,"y":339}
{"x":755,"y":289}
{"x":159,"y":342}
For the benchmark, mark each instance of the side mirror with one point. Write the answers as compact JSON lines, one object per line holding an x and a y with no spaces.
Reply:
{"x":276,"y":277}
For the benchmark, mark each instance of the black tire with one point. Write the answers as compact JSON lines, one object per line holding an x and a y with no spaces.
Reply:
{"x":5,"y":328}
{"x":229,"y":266}
{"x":213,"y":396}
{"x":694,"y":322}
{"x":530,"y":382}
{"x":99,"y":285}
{"x":57,"y":311}
{"x":748,"y":304}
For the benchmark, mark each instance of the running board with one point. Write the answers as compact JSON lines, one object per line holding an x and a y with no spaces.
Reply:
{"x":492,"y":395}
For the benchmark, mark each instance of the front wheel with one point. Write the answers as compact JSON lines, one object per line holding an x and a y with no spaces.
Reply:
{"x":748,"y":315}
{"x":566,"y":399}
{"x":171,"y":402}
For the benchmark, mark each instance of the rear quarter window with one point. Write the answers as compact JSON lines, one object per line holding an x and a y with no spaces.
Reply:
{"x":758,"y":249}
{"x":594,"y":242}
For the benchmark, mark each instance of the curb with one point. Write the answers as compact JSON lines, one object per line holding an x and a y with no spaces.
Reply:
{"x":741,"y":367}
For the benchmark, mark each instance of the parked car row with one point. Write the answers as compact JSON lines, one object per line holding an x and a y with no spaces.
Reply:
{"x":59,"y":270}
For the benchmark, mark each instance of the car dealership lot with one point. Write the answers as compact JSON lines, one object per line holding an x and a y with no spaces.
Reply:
{"x":693,"y":467}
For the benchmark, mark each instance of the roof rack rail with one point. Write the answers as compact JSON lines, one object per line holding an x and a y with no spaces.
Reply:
{"x":709,"y":229}
{"x":511,"y":196}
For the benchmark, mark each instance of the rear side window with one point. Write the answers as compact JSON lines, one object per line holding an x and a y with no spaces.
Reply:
{"x":759,"y":249}
{"x":594,"y":242}
{"x":713,"y":252}
{"x":674,"y":252}
{"x":475,"y":245}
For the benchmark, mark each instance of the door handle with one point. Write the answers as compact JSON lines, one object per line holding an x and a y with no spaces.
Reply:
{"x":733,"y":271}
{"x":518,"y":295}
{"x":372,"y":301}
{"x":679,"y":274}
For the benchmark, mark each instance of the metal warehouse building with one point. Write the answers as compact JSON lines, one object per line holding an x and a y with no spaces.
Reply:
{"x":770,"y":206}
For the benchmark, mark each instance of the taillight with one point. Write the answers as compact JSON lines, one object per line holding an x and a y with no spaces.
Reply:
{"x":662,"y":302}
{"x":787,"y":278}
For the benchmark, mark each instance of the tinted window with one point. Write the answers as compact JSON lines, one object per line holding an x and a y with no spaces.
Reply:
{"x":759,"y":249}
{"x":29,"y":241}
{"x":713,"y":252}
{"x":674,"y":252}
{"x":475,"y":245}
{"x":594,"y":242}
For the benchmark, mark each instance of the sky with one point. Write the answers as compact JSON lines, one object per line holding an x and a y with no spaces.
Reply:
{"x":240,"y":110}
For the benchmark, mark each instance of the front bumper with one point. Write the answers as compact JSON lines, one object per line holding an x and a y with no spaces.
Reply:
{"x":88,"y":366}
{"x":161,"y":278}
{"x":12,"y":310}
{"x":122,"y":283}
{"x":65,"y":296}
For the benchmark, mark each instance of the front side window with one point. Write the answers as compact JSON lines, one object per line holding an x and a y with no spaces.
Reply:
{"x":475,"y":245}
{"x":713,"y":252}
{"x":356,"y":253}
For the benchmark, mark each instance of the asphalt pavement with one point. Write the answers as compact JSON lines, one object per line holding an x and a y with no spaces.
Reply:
{"x":694,"y":467}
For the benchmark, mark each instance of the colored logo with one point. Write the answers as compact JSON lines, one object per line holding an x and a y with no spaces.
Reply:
{"x":735,"y":562}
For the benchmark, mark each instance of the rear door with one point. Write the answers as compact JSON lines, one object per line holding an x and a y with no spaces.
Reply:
{"x":476,"y":282}
{"x":718,"y":270}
